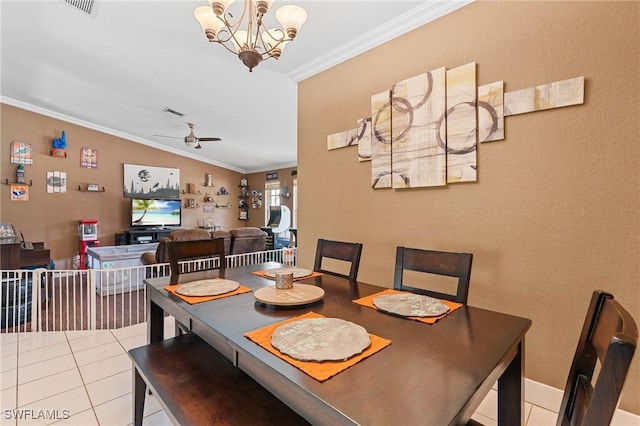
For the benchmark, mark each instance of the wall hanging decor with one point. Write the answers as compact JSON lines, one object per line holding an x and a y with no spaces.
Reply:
{"x":88,"y":158}
{"x":56,"y":182}
{"x":151,"y":182}
{"x":21,"y":153}
{"x":59,"y":145}
{"x":425,"y":130}
{"x":19,"y":192}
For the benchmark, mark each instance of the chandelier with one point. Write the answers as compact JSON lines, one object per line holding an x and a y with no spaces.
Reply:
{"x":248,"y":37}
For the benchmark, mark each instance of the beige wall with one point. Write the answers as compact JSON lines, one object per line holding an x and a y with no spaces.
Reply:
{"x":555,"y":212}
{"x":53,"y":218}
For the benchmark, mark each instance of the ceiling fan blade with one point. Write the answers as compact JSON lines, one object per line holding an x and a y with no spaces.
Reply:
{"x":209,"y":139}
{"x":172,"y":137}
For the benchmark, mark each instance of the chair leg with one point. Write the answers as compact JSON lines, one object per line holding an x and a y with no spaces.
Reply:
{"x":139,"y":393}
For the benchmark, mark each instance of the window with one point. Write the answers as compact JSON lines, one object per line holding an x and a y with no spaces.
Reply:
{"x":271,"y":198}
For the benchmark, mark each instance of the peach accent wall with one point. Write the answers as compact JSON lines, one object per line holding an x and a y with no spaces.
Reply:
{"x":555,"y":213}
{"x":53,"y":218}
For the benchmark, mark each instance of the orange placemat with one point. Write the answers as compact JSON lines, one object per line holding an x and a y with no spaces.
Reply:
{"x":320,"y":371}
{"x":192,"y":300}
{"x":262,"y":274}
{"x":368,"y":302}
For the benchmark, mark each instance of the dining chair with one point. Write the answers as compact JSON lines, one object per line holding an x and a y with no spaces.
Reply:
{"x":339,"y":250}
{"x":457,"y":265}
{"x":610,"y":336}
{"x":208,"y":254}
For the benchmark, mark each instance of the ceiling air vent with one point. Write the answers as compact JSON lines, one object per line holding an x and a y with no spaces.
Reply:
{"x":86,"y":6}
{"x":173,"y":112}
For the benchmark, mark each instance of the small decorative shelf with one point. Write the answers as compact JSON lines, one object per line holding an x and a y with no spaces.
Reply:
{"x":6,"y":182}
{"x":91,"y":190}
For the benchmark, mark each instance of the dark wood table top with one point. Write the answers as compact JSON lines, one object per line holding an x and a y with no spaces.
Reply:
{"x":430,"y":374}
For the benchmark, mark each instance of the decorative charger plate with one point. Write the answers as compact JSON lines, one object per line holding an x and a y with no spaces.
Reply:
{"x":320,"y":339}
{"x":300,"y":294}
{"x":410,"y":305}
{"x":297,"y":272}
{"x":209,"y":287}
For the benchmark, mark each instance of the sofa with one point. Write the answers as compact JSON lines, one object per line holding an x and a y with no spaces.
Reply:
{"x":247,"y":240}
{"x":236,"y":241}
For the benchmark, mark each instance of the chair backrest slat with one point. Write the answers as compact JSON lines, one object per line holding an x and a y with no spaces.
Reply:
{"x":339,"y":250}
{"x":450,"y":264}
{"x":180,"y":251}
{"x":610,"y":336}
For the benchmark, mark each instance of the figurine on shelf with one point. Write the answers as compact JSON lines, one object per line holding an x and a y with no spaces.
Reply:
{"x":59,"y":146}
{"x":244,"y":182}
{"x":20,"y":173}
{"x":222,"y":191}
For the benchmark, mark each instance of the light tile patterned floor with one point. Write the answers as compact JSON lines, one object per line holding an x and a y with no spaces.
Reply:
{"x":88,"y":374}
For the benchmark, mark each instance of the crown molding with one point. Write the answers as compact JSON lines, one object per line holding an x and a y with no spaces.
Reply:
{"x":112,"y":132}
{"x":426,"y":12}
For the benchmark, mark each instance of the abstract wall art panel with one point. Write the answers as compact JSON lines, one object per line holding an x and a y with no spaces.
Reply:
{"x":418,"y":155}
{"x":461,"y":124}
{"x":424,"y":132}
{"x":560,"y":94}
{"x":519,"y":101}
{"x":342,"y":139}
{"x":491,"y":112}
{"x":381,"y":176}
{"x":364,"y":139}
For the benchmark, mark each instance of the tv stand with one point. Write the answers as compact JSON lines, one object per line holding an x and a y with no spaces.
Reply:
{"x":148,"y":235}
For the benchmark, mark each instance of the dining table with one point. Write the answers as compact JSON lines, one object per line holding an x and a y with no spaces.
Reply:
{"x":429,"y":374}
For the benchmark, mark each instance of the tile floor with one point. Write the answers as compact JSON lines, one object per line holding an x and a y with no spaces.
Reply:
{"x":84,"y":378}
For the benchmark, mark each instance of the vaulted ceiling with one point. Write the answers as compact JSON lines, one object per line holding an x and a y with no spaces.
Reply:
{"x":116,"y":70}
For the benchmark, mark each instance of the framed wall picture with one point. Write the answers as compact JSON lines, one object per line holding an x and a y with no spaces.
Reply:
{"x":207,"y":208}
{"x":21,"y":153}
{"x":151,"y":182}
{"x":19,"y":192}
{"x":88,"y":158}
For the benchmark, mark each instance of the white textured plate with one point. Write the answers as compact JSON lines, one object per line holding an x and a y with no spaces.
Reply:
{"x":320,"y":339}
{"x":210,"y":287}
{"x":300,"y":294}
{"x":297,"y":272}
{"x":410,"y":305}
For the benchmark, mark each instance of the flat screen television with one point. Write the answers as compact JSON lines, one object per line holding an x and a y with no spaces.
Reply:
{"x":155,"y":213}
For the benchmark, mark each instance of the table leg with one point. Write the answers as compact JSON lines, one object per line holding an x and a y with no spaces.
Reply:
{"x":511,"y":391}
{"x":155,"y":321}
{"x":139,"y":387}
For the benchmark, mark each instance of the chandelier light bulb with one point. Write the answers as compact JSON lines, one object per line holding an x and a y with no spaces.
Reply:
{"x":263,"y":5}
{"x":209,"y":22}
{"x":291,"y":18}
{"x":220,"y":6}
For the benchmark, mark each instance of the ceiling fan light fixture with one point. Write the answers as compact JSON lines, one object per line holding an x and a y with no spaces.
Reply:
{"x":248,"y":37}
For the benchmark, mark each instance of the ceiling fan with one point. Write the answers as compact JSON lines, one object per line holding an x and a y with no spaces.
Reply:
{"x":191,"y":139}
